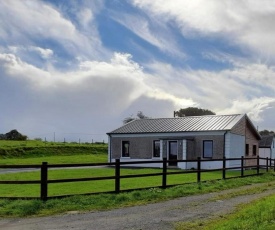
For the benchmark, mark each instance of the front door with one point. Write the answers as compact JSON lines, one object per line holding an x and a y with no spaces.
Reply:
{"x":173,"y":152}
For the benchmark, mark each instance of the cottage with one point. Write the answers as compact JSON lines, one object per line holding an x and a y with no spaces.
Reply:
{"x":186,"y":138}
{"x":267,"y":148}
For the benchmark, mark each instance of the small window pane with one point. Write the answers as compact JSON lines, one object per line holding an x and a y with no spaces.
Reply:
{"x":125,"y":148}
{"x":207,"y":149}
{"x":156,"y":152}
{"x":254,"y":150}
{"x":247,"y":149}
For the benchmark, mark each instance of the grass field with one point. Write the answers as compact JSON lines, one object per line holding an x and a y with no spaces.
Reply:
{"x":74,"y":188}
{"x":32,"y":149}
{"x":110,"y":201}
{"x":33,"y":143}
{"x":258,"y":215}
{"x":69,"y":159}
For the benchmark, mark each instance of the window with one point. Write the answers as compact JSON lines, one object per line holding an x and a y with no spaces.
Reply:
{"x":125,"y":149}
{"x":247,"y":149}
{"x":207,"y":149}
{"x":156,"y":150}
{"x":254,"y":150}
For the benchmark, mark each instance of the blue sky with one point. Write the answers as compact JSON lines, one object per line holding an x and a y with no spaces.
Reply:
{"x":76,"y":69}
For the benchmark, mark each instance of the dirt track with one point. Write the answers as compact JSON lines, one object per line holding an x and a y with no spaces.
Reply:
{"x":152,"y":216}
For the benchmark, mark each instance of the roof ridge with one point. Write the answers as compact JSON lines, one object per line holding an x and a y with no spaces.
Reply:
{"x":150,"y":118}
{"x":180,"y":124}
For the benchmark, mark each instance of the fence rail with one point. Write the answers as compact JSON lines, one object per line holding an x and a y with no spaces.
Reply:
{"x":44,"y":167}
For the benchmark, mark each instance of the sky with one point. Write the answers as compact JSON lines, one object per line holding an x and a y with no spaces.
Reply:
{"x":74,"y":70}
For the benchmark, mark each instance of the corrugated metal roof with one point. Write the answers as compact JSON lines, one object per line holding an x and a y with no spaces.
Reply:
{"x":180,"y":124}
{"x":266,"y":141}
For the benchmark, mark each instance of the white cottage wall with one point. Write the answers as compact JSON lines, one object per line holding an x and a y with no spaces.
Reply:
{"x":234,"y":148}
{"x":264,"y":153}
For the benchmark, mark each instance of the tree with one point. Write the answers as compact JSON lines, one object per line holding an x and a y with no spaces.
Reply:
{"x":193,"y":111}
{"x":15,"y":135}
{"x":140,"y":115}
{"x":266,"y":132}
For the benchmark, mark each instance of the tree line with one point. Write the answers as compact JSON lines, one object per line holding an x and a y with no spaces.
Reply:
{"x":13,"y":135}
{"x":190,"y":111}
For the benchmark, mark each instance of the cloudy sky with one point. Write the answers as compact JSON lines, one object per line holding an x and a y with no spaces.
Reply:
{"x":76,"y":69}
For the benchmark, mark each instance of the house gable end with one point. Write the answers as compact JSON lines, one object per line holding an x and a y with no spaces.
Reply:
{"x":240,"y":127}
{"x":246,"y":128}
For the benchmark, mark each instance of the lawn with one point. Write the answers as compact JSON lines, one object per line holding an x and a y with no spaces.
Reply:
{"x":16,"y":208}
{"x":73,"y":188}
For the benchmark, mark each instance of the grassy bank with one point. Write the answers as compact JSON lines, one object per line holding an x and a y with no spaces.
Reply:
{"x":30,"y":149}
{"x":258,"y":215}
{"x":80,"y":203}
{"x":59,"y":159}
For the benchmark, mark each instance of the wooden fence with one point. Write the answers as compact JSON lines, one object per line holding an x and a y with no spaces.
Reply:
{"x":44,"y":181}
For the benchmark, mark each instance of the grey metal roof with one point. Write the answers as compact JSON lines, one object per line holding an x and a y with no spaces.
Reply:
{"x":266,"y":141}
{"x":180,"y":124}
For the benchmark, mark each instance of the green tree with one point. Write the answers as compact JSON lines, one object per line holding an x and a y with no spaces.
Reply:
{"x":15,"y":135}
{"x":266,"y":132}
{"x":139,"y":115}
{"x":193,"y":111}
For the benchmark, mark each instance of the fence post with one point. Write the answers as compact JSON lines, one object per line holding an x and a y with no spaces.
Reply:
{"x":117,"y":176}
{"x":242,"y":164}
{"x":258,"y":165}
{"x":199,"y":170}
{"x":164,"y":172}
{"x":44,"y":182}
{"x":267,"y":164}
{"x":274,"y":165}
{"x":223,"y":167}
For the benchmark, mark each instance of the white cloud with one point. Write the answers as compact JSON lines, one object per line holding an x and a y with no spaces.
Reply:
{"x":121,"y":80}
{"x":246,"y":88}
{"x":42,"y":52}
{"x":93,"y":97}
{"x":85,"y":17}
{"x":23,"y":22}
{"x":254,"y":107}
{"x":152,"y":31}
{"x":245,"y":23}
{"x":97,"y":89}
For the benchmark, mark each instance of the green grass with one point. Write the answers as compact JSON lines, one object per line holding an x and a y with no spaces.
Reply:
{"x":20,"y":208}
{"x":30,"y":149}
{"x":74,"y":188}
{"x":70,"y":159}
{"x":258,"y":215}
{"x":5,"y":144}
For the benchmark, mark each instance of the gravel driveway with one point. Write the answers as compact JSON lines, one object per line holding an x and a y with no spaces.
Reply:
{"x":152,"y":216}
